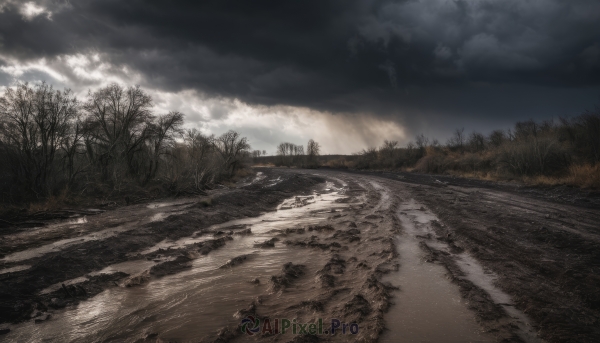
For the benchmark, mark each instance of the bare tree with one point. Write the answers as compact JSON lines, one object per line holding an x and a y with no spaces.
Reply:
{"x":282,"y":153}
{"x":35,"y":122}
{"x":421,"y":141}
{"x":526,"y":129}
{"x":49,"y":142}
{"x":200,"y":149}
{"x":588,"y":124}
{"x":232,"y":148}
{"x":497,"y":137}
{"x":298,"y":155}
{"x":312,"y":151}
{"x":458,"y":139}
{"x":163,"y":133}
{"x":72,"y":146}
{"x":119,"y":124}
{"x":289,"y":154}
{"x":387,"y":152}
{"x":476,"y":142}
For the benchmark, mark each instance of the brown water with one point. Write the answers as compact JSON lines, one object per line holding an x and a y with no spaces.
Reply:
{"x":191,"y":304}
{"x":429,"y":308}
{"x":85,"y":229}
{"x":196,"y":302}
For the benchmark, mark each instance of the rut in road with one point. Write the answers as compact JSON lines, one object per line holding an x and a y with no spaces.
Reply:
{"x":359,"y":249}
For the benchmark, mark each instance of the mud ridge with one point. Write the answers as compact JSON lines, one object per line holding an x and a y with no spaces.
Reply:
{"x":289,"y":273}
{"x":20,"y":288}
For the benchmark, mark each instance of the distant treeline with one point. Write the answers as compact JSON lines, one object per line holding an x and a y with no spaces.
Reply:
{"x":111,"y":143}
{"x":292,"y":155}
{"x":322,"y":160}
{"x":563,"y":151}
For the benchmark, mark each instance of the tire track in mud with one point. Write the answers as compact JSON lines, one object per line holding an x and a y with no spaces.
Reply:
{"x":551,"y":273}
{"x":345,"y":263}
{"x":492,"y":308}
{"x":19,"y":290}
{"x":347,"y":286}
{"x":585,"y":223}
{"x":493,"y":317}
{"x":315,"y":231}
{"x":351,"y":298}
{"x":381,"y":210}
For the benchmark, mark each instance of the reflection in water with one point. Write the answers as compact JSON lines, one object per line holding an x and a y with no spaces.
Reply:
{"x":190,"y":304}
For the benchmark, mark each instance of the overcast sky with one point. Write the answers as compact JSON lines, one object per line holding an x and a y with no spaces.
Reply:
{"x":348,"y":73}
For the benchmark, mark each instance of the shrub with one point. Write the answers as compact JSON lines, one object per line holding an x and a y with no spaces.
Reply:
{"x":339,"y":163}
{"x":585,"y":175}
{"x":539,"y":156}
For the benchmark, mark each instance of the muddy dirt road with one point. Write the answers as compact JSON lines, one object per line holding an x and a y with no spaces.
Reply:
{"x":406,"y":258}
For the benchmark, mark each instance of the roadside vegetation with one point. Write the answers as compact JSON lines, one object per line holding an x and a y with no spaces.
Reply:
{"x":566,"y":151}
{"x":58,"y":150}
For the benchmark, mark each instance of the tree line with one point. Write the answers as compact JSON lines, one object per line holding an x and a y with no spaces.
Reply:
{"x":51,"y":142}
{"x":564,"y":150}
{"x":289,"y":154}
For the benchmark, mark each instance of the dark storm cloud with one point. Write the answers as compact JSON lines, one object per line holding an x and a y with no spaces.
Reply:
{"x":461,"y":58}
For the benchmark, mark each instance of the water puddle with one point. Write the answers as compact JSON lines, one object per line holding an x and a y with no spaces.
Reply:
{"x":57,"y":286}
{"x":38,"y":231}
{"x":309,"y":209}
{"x":384,"y":200}
{"x":61,"y":244}
{"x":14,"y":269}
{"x":273,"y":182}
{"x":178,"y":244}
{"x":191,"y":304}
{"x":429,"y":308}
{"x":485,"y":280}
{"x":130,"y":267}
{"x":169,"y":203}
{"x":160,"y":216}
{"x":79,"y":235}
{"x":134,"y":267}
{"x":77,"y":221}
{"x":257,"y":178}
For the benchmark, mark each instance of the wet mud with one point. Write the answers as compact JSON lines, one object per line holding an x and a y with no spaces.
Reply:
{"x":404,"y":260}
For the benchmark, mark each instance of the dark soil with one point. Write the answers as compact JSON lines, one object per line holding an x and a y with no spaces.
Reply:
{"x":562,"y":194}
{"x":542,"y":242}
{"x":19,"y":296}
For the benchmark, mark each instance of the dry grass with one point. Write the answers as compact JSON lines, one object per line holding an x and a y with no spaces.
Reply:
{"x":469,"y":166}
{"x":542,"y":180}
{"x":483,"y":166}
{"x":584,"y":176}
{"x":337,"y":163}
{"x":51,"y":203}
{"x":487,"y":176}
